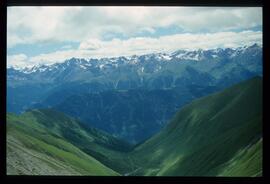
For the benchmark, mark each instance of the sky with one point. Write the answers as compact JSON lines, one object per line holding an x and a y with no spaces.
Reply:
{"x":46,"y":35}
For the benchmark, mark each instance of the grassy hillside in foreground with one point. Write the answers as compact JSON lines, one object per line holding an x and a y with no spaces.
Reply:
{"x":48,"y":142}
{"x":220,"y":134}
{"x":31,"y":156}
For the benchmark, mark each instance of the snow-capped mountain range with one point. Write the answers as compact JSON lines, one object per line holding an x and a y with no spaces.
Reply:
{"x":180,"y":55}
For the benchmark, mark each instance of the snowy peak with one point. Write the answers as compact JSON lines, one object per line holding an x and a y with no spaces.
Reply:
{"x":180,"y":55}
{"x":163,"y":57}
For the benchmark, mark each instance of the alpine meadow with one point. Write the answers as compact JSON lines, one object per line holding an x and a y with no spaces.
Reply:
{"x":134,"y":91}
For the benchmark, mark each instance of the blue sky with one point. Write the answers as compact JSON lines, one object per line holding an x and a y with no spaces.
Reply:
{"x":45,"y":35}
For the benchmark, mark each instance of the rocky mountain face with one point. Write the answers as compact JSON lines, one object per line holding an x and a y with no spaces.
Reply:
{"x":101,"y":92}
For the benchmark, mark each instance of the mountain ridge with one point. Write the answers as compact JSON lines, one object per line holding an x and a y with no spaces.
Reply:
{"x":181,"y":54}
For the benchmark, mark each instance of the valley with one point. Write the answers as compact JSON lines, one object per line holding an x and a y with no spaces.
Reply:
{"x":216,"y":135}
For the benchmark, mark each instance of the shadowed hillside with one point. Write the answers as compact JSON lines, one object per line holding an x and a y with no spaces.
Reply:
{"x":220,"y":134}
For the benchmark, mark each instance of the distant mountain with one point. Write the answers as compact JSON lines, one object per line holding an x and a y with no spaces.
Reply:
{"x":182,"y":75}
{"x":133,"y":115}
{"x":138,"y":69}
{"x":47,"y":142}
{"x":217,"y":135}
{"x":140,"y":66}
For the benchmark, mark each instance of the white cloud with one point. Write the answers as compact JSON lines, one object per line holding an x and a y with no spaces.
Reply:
{"x":38,"y":24}
{"x":91,"y":44}
{"x":94,"y":48}
{"x":141,"y":45}
{"x":17,"y":61}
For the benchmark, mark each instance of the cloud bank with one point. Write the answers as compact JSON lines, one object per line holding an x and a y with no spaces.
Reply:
{"x":28,"y":25}
{"x":95,"y":48}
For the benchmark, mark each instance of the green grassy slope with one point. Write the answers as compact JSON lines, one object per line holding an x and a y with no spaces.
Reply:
{"x":31,"y":156}
{"x":215,"y":135}
{"x":64,"y":143}
{"x":247,"y":162}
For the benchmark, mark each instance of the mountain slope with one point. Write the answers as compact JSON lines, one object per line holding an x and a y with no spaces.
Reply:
{"x":133,"y":115}
{"x":48,"y":142}
{"x":215,"y":135}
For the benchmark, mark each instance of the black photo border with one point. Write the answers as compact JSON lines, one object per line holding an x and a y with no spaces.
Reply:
{"x":130,"y":179}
